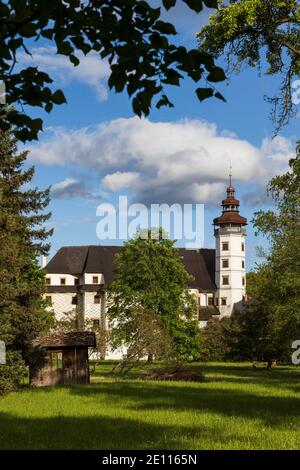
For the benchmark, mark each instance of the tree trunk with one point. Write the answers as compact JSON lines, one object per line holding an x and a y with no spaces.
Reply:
{"x":150,"y":358}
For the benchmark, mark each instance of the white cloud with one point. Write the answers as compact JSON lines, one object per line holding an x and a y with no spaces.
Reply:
{"x":182,"y":161}
{"x":119,"y":180}
{"x":275,"y":155}
{"x":70,"y":188}
{"x":92,"y":70}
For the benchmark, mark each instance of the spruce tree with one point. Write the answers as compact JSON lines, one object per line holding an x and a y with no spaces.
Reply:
{"x":23,"y":237}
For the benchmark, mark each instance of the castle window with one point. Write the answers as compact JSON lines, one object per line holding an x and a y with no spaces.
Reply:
{"x":225,"y":246}
{"x":210,"y":300}
{"x":224,"y":301}
{"x":76,"y":281}
{"x":225,"y":280}
{"x":95,"y":279}
{"x":243,"y":246}
{"x":62,"y":281}
{"x":243,"y":281}
{"x":47,"y":281}
{"x":97,"y":299}
{"x":225,"y":263}
{"x":243,"y":264}
{"x":48,"y":299}
{"x":74,"y":300}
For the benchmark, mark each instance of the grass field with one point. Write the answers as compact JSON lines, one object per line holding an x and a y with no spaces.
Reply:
{"x":237,"y":407}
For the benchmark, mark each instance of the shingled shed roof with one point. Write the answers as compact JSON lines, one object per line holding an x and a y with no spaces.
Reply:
{"x":77,"y":260}
{"x":207,"y":313}
{"x":61,"y":340}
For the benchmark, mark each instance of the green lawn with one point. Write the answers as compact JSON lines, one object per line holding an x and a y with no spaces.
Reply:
{"x":236,"y":408}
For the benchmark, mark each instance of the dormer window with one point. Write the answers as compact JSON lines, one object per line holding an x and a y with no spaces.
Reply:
{"x":95,"y":280}
{"x":62,"y":281}
{"x":48,"y":281}
{"x":76,"y":281}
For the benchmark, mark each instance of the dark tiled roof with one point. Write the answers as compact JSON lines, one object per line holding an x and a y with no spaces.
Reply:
{"x":100,"y":259}
{"x":68,"y":260}
{"x":230,"y":217}
{"x":60,"y":340}
{"x":206,"y":313}
{"x":201,"y":265}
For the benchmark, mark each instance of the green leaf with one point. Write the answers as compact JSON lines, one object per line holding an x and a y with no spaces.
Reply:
{"x":48,"y":107}
{"x":169,"y":4}
{"x":204,"y":93}
{"x":216,"y":75}
{"x":211,"y":3}
{"x":220,"y":96}
{"x":28,"y":31}
{"x":136,"y":106}
{"x":195,"y":5}
{"x":58,"y":97}
{"x":74,"y":60}
{"x":164,"y":28}
{"x":164,"y":101}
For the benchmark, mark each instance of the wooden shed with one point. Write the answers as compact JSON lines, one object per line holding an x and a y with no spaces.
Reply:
{"x":66,"y":359}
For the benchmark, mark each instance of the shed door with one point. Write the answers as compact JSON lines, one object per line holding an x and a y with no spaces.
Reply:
{"x":82,"y":370}
{"x":69,"y":367}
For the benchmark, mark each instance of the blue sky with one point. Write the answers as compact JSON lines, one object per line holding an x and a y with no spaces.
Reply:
{"x":94,"y":149}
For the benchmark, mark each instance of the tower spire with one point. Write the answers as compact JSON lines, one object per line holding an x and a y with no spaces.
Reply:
{"x":230,"y":174}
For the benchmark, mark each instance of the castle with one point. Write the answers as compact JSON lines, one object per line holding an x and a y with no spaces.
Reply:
{"x":77,"y":276}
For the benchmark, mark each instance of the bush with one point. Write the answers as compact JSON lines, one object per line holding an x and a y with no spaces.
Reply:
{"x":214,"y":344}
{"x":11,"y":372}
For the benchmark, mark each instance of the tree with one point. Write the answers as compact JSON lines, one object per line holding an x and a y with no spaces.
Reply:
{"x":22,"y":237}
{"x":150,"y":277}
{"x":73,"y":321}
{"x":271,"y":321}
{"x":145,"y":336}
{"x":246,"y":31}
{"x":214,"y":346}
{"x":282,"y":228}
{"x":128,"y":33}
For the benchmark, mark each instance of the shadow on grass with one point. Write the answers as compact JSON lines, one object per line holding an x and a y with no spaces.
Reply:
{"x":282,"y":378}
{"x":99,"y":433}
{"x":272,"y":410}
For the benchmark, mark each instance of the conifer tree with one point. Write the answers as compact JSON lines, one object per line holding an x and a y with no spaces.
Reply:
{"x":23,"y":237}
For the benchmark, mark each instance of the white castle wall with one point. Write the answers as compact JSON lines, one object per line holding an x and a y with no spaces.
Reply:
{"x":55,"y":279}
{"x":61,"y":304}
{"x":235,"y":290}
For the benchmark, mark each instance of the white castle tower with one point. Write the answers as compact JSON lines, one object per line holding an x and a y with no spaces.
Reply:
{"x":230,"y":254}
